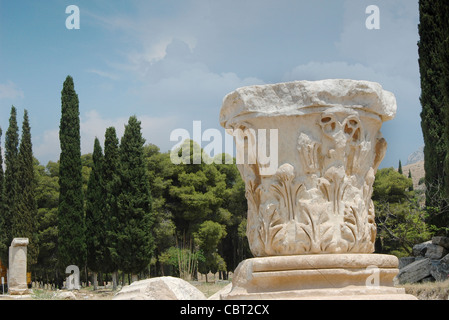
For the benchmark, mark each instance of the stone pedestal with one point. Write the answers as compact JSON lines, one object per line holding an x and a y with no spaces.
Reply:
{"x":320,"y":276}
{"x":17,"y":272}
{"x":310,"y":199}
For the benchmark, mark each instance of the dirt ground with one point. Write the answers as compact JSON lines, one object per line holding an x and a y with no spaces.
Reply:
{"x":425,"y":291}
{"x":107,"y":293}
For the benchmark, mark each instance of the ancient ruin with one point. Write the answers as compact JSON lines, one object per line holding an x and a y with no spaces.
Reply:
{"x":311,"y":222}
{"x":17,"y":272}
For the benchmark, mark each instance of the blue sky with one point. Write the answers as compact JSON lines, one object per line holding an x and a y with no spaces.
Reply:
{"x":172,"y":62}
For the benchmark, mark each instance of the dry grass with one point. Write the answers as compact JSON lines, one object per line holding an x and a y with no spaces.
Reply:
{"x":428,"y":290}
{"x":209,"y":288}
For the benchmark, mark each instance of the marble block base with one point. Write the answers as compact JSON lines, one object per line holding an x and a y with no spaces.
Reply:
{"x":319,"y":276}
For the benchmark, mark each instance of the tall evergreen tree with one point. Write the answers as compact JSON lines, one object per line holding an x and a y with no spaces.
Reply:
{"x":3,"y":240}
{"x":111,"y":180}
{"x":134,"y":202}
{"x":400,"y":167}
{"x":95,"y":207}
{"x":24,"y":220}
{"x":47,"y":198}
{"x":11,"y":181}
{"x":443,"y":17}
{"x":410,"y":177}
{"x":71,"y":227}
{"x":433,"y":113}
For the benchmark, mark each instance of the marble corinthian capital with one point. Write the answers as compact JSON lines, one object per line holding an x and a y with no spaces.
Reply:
{"x":329,"y":147}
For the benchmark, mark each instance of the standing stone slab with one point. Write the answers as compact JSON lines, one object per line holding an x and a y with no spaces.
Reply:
{"x":17,"y":273}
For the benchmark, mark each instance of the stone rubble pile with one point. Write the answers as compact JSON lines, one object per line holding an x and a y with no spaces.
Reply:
{"x":430,"y":262}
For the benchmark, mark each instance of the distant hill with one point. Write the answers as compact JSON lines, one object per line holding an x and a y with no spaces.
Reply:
{"x":415,"y":163}
{"x":416,"y":156}
{"x":417,"y":171}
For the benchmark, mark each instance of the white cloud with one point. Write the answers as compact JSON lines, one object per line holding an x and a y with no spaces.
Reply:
{"x":186,"y":61}
{"x":46,"y":147}
{"x":104,"y":74}
{"x":93,"y":125}
{"x":180,"y":84}
{"x":10,"y":91}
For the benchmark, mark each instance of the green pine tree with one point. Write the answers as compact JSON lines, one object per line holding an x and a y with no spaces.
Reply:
{"x":71,"y":228}
{"x":134,"y":203}
{"x":400,"y":167}
{"x":434,"y":110}
{"x":25,"y":219}
{"x":11,"y":180}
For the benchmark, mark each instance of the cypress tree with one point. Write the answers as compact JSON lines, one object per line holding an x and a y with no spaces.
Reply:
{"x":3,"y":240}
{"x":134,"y":202}
{"x":400,"y":167}
{"x":11,"y":181}
{"x":433,"y":108}
{"x":111,"y":180}
{"x":443,"y":17}
{"x":95,"y":206}
{"x":71,"y":228}
{"x":24,"y":220}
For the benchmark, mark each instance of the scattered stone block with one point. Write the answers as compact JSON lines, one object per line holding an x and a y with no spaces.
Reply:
{"x":415,"y":271}
{"x":430,"y":250}
{"x":427,"y":279}
{"x":421,"y":248}
{"x":435,"y":252}
{"x":440,"y":269}
{"x":66,"y":295}
{"x":404,"y":261}
{"x":160,"y":288}
{"x":441,"y":241}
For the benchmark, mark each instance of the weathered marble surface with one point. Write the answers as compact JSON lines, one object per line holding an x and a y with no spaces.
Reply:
{"x":317,"y":276}
{"x":329,"y":148}
{"x":17,"y":271}
{"x":310,"y":219}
